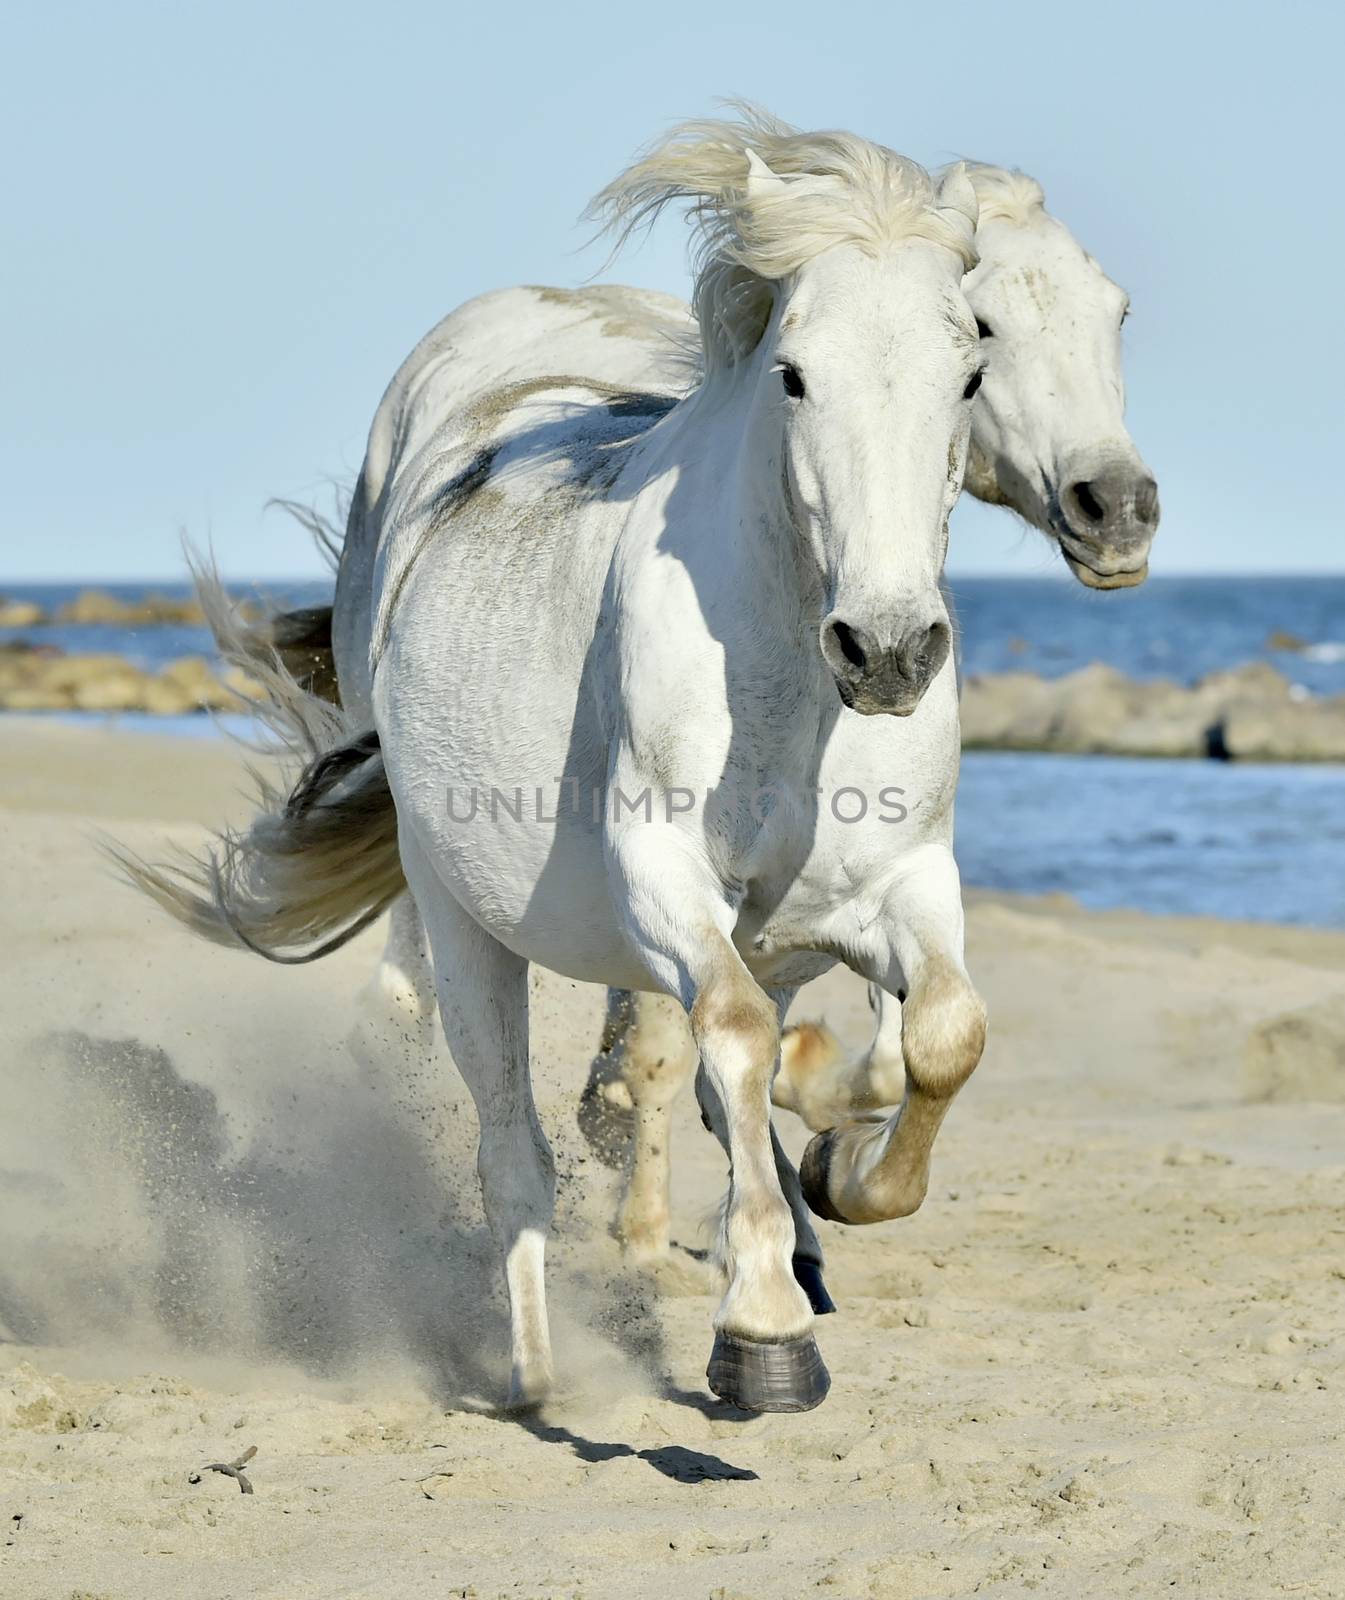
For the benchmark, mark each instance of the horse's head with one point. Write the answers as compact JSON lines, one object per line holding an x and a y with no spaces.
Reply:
{"x":867,"y":378}
{"x":829,"y":299}
{"x":1049,"y":437}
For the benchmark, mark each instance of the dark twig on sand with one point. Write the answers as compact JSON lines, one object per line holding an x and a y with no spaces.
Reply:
{"x":231,"y":1469}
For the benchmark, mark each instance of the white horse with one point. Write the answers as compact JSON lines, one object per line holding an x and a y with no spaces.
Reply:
{"x":1048,"y":441}
{"x":686,"y":629}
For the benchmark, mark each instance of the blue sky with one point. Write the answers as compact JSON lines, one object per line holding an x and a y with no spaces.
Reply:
{"x":227,"y":224}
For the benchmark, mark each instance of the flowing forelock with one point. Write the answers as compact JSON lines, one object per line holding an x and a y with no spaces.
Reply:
{"x":1005,"y":194}
{"x":837,"y":189}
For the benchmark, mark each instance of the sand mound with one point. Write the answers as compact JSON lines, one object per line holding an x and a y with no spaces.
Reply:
{"x":1298,"y":1056}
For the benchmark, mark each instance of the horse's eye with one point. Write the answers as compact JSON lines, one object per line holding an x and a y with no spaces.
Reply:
{"x":973,"y":384}
{"x":792,"y":381}
{"x":983,"y":329}
{"x":1124,"y":315}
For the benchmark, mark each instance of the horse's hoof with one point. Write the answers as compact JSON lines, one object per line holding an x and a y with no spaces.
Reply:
{"x":813,"y":1177}
{"x":530,"y":1388}
{"x":756,"y":1376}
{"x":808,"y":1275}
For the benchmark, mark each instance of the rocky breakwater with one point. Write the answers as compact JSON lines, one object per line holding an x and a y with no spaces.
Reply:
{"x":33,"y":678}
{"x":97,"y":606}
{"x":1251,"y":713}
{"x":37,"y":675}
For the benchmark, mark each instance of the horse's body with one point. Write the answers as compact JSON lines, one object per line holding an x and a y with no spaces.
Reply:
{"x":683,"y":629}
{"x":638,"y":340}
{"x":613,"y":710}
{"x":1047,"y":433}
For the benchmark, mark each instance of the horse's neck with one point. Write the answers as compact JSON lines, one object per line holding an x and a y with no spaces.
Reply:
{"x":725,"y":518}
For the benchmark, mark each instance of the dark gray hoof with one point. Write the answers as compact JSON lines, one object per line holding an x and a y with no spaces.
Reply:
{"x":809,"y":1277}
{"x":813,"y":1176}
{"x":756,"y":1376}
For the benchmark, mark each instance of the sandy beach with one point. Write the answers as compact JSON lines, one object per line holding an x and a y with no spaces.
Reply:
{"x":1107,"y":1358}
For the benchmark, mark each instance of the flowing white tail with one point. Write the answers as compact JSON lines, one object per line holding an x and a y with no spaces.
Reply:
{"x":319,"y":861}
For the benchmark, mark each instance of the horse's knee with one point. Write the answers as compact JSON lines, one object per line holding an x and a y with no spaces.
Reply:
{"x":807,"y":1049}
{"x":943,"y":1030}
{"x":737,"y":1019}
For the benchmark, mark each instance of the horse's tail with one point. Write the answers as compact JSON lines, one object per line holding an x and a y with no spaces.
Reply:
{"x":320,"y":860}
{"x":303,"y":641}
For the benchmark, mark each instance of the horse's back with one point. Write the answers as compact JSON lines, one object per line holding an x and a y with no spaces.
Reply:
{"x":620,"y":337}
{"x":493,"y":673}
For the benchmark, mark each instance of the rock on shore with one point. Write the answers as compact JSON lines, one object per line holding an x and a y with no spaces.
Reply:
{"x":98,"y":606}
{"x":1251,"y":713}
{"x":34,"y":679}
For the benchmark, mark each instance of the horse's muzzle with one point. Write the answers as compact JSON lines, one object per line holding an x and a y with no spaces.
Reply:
{"x":878,"y":679}
{"x":1107,"y":522}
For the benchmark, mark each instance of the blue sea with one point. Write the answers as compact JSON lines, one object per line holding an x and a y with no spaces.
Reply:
{"x":1190,"y":837}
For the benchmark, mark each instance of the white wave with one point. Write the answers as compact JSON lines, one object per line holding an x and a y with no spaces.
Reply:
{"x":1329,"y":653}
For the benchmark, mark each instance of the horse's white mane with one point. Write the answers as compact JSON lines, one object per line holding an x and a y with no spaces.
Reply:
{"x":1005,"y":195}
{"x":749,"y":237}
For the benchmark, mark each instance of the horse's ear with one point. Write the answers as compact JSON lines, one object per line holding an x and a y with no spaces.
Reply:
{"x":956,"y":194}
{"x":760,"y":179}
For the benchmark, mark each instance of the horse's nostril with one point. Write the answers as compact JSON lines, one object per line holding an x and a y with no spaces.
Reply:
{"x":1146,"y":500}
{"x":1086,"y":498}
{"x":930,"y":652}
{"x":849,"y":645}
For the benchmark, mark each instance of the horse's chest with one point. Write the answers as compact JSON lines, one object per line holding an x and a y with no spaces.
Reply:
{"x":817,"y":880}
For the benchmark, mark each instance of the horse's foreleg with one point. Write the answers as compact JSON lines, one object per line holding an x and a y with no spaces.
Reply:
{"x":807,"y":1258}
{"x":765,"y":1357}
{"x":483,"y":1001}
{"x":872,"y":1170}
{"x":647,"y":1054}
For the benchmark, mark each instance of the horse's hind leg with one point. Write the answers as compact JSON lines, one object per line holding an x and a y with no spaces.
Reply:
{"x":483,"y":1000}
{"x":625,"y":1112}
{"x":397,"y":1005}
{"x":658,"y":1057}
{"x":606,"y":1111}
